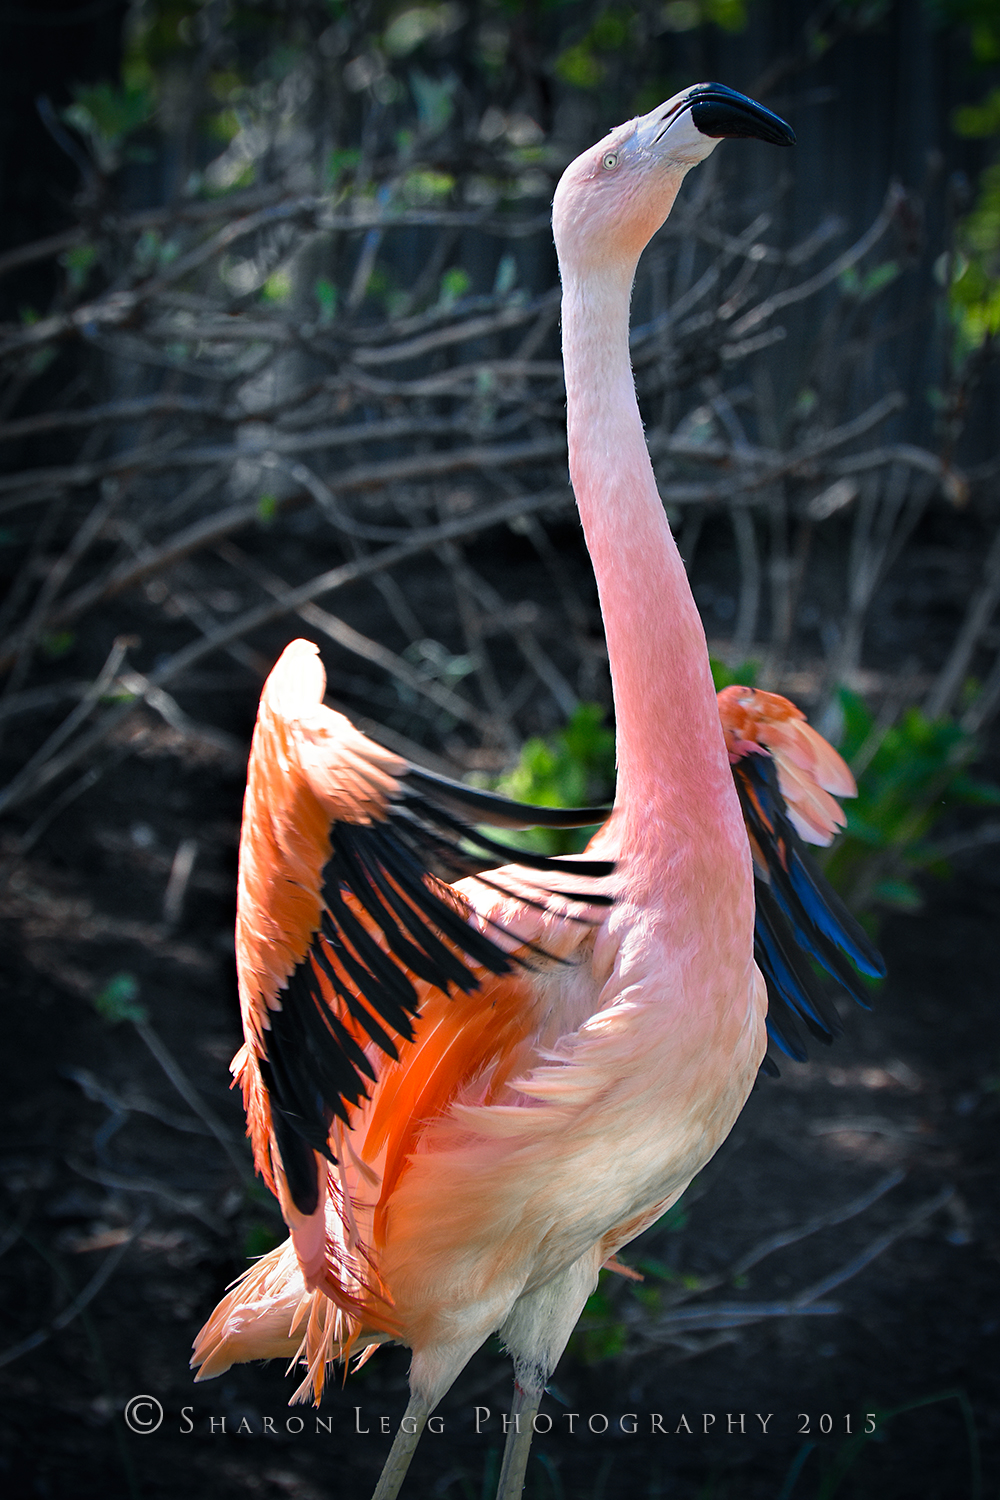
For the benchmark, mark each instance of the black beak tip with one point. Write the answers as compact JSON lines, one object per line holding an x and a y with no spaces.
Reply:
{"x":721,"y":112}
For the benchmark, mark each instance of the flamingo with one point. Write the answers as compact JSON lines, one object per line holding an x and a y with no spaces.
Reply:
{"x":472,"y":1074}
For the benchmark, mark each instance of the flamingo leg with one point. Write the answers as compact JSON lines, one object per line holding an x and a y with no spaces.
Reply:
{"x":404,"y":1446}
{"x":523,"y":1410}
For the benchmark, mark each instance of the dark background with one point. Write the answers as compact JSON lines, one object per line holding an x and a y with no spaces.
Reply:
{"x":107,"y":1163}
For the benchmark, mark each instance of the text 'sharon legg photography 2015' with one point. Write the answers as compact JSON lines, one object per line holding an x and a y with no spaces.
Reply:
{"x":483,"y":1420}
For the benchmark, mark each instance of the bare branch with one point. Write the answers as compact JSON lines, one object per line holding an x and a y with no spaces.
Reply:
{"x":160,"y":457}
{"x":82,"y":1300}
{"x":837,"y":267}
{"x":172,"y":1068}
{"x":685,"y":1320}
{"x":233,"y":630}
{"x":361,"y":645}
{"x":185,"y":1203}
{"x":981,"y":607}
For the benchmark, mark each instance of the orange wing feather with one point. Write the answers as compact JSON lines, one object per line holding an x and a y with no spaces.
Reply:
{"x":307,"y":941}
{"x":308,"y":768}
{"x":810,"y":772}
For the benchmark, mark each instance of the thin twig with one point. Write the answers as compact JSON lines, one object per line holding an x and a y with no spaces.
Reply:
{"x":360,"y":645}
{"x":181,"y":870}
{"x":191,"y":1096}
{"x":749,"y":564}
{"x":95,"y":692}
{"x":83,"y":1299}
{"x":187,"y":1203}
{"x":981,"y":607}
{"x":100,"y":1093}
{"x":829,"y":273}
{"x":807,"y":1301}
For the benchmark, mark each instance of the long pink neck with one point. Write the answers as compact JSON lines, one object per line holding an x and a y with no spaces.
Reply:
{"x":672,"y":764}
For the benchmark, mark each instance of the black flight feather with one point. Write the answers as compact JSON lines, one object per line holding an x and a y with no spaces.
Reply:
{"x":799,"y":918}
{"x":316,"y":1068}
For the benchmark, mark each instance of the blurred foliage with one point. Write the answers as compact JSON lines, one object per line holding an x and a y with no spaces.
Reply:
{"x":602,"y":1331}
{"x":106,"y":116}
{"x":57,"y":643}
{"x":118,"y":1000}
{"x":745,"y":675}
{"x":467,"y":97}
{"x":435,"y":103}
{"x":974,"y":270}
{"x":585,"y":62}
{"x":259,"y":1238}
{"x":79,"y":262}
{"x":442,"y":63}
{"x":914,"y":772}
{"x":863,"y":285}
{"x":575,"y":767}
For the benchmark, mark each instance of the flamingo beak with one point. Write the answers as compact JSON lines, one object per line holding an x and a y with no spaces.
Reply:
{"x":717,"y":111}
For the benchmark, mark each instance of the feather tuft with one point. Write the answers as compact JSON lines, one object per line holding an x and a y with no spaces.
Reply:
{"x":810,"y":772}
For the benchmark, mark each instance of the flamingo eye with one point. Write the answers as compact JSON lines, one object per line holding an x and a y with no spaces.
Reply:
{"x":611,"y":160}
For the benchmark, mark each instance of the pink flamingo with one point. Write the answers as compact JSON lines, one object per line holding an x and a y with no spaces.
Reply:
{"x":587,"y":1029}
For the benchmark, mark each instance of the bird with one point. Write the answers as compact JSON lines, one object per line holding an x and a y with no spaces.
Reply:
{"x":472,"y":1074}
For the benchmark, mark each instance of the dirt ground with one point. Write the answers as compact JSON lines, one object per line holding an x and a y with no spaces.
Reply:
{"x":106,"y":1166}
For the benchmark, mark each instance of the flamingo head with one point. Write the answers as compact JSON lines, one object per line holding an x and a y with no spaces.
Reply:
{"x":614,"y":197}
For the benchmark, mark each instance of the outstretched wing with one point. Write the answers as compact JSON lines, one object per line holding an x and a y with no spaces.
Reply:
{"x":788,"y":777}
{"x":345,"y":910}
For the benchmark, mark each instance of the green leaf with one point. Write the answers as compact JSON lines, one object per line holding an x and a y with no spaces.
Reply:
{"x":578,"y":66}
{"x":875,"y":280}
{"x":454,"y":285}
{"x":277,"y":287}
{"x":974,"y":291}
{"x":105,"y":114}
{"x":573,"y":768}
{"x":326,"y":295}
{"x":119,"y":1000}
{"x":339,"y":162}
{"x":611,"y":31}
{"x":421,"y":23}
{"x":858,"y":722}
{"x":79,"y":262}
{"x":728,"y":15}
{"x":849,"y":281}
{"x":912,"y":775}
{"x":745,"y":675}
{"x":506,"y":276}
{"x":981,"y":119}
{"x":427,"y":187}
{"x":649,"y":1297}
{"x":651,"y":1266}
{"x":681,"y":15}
{"x":57,"y":644}
{"x":259,"y":1239}
{"x":899,"y":894}
{"x":434,"y":98}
